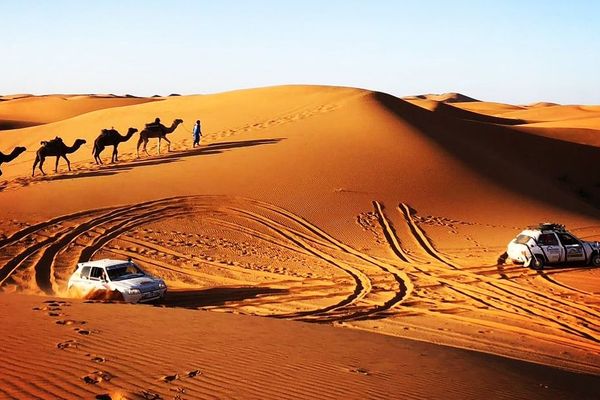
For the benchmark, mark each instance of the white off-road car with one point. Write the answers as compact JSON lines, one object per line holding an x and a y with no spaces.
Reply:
{"x":116,"y":275}
{"x":551,"y":244}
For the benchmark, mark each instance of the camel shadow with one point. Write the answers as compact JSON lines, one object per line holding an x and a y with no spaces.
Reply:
{"x":196,"y":298}
{"x":113,"y":169}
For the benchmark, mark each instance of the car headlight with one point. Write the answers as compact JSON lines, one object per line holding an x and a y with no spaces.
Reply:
{"x":161,"y":285}
{"x":134,"y":291}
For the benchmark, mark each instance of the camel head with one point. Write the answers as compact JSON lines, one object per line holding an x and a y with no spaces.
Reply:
{"x":178,"y":121}
{"x":131,"y":131}
{"x":79,"y":142}
{"x":19,"y":149}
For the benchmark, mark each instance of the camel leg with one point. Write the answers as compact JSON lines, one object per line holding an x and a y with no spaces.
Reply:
{"x":168,"y":144}
{"x":159,"y":145}
{"x":42,"y":159}
{"x":35,"y":163}
{"x":97,"y":152}
{"x":137,"y":149}
{"x":56,"y":165}
{"x":68,"y":162}
{"x":145,"y":144}
{"x":115,"y":155}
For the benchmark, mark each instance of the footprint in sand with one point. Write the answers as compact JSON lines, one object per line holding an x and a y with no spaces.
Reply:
{"x":68,"y":344}
{"x":361,"y":371}
{"x":189,"y":374}
{"x":55,"y":314}
{"x":70,"y":322}
{"x":98,"y":360}
{"x":169,"y":378}
{"x":193,"y":373}
{"x":150,"y":395}
{"x":96,"y":377}
{"x":84,"y":332}
{"x":55,"y":302}
{"x":90,"y":380}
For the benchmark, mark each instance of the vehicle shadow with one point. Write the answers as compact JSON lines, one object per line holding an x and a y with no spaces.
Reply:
{"x":196,"y":298}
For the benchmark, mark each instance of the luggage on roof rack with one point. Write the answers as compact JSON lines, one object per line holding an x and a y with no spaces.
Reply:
{"x":549,"y":226}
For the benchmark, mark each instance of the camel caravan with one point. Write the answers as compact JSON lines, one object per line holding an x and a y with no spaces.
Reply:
{"x":108,"y":137}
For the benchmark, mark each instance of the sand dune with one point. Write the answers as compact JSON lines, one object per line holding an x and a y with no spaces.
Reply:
{"x":25,"y":110}
{"x":463,"y":113}
{"x":322,"y":205}
{"x":555,"y":113}
{"x":575,"y":123}
{"x":488,"y":107}
{"x":444,"y":97}
{"x":585,"y":136}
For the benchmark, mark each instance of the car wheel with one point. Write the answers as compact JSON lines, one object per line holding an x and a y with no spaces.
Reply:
{"x":595,"y":259}
{"x":537,"y":262}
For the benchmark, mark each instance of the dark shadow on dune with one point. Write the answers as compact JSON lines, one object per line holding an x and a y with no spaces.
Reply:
{"x":113,"y":169}
{"x":456,"y":112}
{"x":6,"y":124}
{"x":556,"y":172}
{"x":197,"y":298}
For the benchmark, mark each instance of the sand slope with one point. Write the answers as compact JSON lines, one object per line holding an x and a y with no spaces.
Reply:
{"x":488,"y":107}
{"x":324,"y":205}
{"x":75,"y":352}
{"x":554,"y":113}
{"x":23,"y":111}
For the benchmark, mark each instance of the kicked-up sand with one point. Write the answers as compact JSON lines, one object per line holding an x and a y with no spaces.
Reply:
{"x":368,"y":229}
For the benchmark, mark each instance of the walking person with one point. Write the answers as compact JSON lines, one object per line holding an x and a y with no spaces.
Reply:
{"x":197,"y":133}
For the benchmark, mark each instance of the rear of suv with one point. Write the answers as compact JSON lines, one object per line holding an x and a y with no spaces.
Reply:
{"x":549,"y":244}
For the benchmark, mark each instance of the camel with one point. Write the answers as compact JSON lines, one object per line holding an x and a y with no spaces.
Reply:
{"x":9,"y":157}
{"x":110,"y":137}
{"x":159,"y":132}
{"x":57,"y":148}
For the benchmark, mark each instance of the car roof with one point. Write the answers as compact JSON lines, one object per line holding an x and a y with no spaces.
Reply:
{"x":535,"y":233}
{"x":104,"y":263}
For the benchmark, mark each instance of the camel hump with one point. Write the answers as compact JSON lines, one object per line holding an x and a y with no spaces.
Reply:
{"x":154,"y":125}
{"x":57,"y":140}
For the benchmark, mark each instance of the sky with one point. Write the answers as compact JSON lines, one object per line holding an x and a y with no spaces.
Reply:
{"x":508,"y":51}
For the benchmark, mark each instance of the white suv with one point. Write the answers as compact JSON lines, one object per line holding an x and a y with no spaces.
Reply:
{"x":551,"y":244}
{"x":115,"y":275}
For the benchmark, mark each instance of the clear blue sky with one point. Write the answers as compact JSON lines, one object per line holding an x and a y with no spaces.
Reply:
{"x":512,"y":51}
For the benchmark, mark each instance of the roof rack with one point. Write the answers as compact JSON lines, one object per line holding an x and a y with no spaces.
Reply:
{"x":550,"y":226}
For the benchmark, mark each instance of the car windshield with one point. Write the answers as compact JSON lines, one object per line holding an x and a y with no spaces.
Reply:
{"x":124,"y":271}
{"x":522,"y":239}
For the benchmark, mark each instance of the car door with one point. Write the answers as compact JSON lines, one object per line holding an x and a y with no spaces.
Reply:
{"x":551,"y":247}
{"x":97,"y":279}
{"x":83,"y":282}
{"x":572,"y":247}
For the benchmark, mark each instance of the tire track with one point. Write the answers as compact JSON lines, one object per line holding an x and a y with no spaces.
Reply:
{"x":103,"y":225}
{"x":421,"y":237}
{"x":401,"y":279}
{"x":500,"y":292}
{"x":390,"y":234}
{"x":362,"y":282}
{"x":44,"y":266}
{"x":56,"y":242}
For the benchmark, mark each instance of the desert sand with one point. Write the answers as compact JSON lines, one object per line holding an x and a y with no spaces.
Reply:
{"x":367,"y":227}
